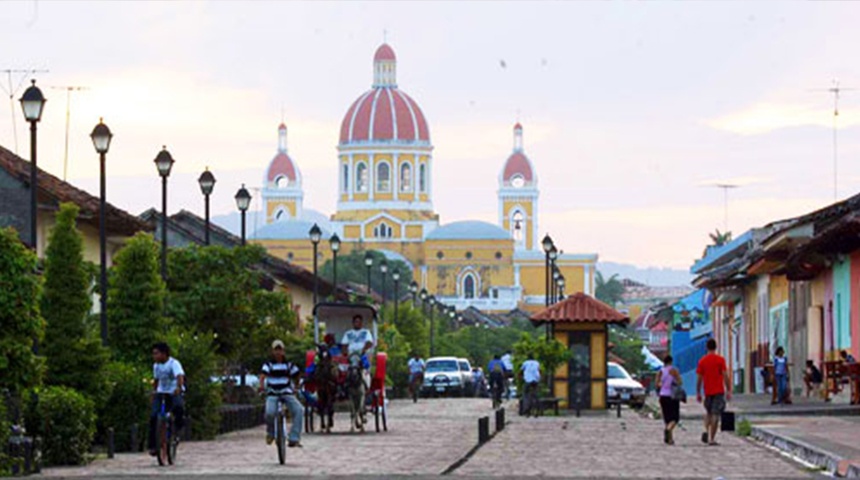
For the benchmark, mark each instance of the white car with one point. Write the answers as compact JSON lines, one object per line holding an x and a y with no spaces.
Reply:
{"x":623,"y":388}
{"x":442,"y":376}
{"x":467,"y":376}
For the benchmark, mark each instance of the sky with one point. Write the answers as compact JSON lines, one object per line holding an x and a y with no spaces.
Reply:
{"x":632,"y":111}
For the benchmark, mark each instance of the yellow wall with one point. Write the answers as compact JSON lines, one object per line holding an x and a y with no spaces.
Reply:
{"x":561,"y":386}
{"x":527,"y":207}
{"x":351,"y":232}
{"x":533,"y":278}
{"x":274,"y":205}
{"x":778,"y":290}
{"x":443,"y":274}
{"x":396,"y":229}
{"x":414,"y":232}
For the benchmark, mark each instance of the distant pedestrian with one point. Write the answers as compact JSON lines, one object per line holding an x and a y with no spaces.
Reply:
{"x":713,"y":374}
{"x":668,"y":379}
{"x":847,"y":357}
{"x":508,"y":365}
{"x":813,"y":378}
{"x":780,"y":373}
{"x":530,"y":370}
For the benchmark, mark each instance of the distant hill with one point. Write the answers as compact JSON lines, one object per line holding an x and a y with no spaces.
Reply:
{"x":652,"y":276}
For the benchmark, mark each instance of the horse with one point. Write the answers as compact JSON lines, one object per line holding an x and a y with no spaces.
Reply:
{"x":325,"y":376}
{"x":356,"y":389}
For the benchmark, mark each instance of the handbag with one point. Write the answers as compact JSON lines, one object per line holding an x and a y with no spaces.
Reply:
{"x":678,"y":393}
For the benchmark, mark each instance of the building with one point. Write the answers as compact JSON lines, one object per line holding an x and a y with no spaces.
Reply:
{"x":385,"y":202}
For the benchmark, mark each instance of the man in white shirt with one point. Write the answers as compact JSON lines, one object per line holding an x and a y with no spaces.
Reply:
{"x":508,"y":367}
{"x":168,"y":384}
{"x":358,"y":341}
{"x":530,"y":370}
{"x":416,"y":371}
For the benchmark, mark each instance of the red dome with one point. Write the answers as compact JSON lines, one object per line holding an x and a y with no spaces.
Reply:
{"x":518,"y":163}
{"x":384,"y":52}
{"x":384,"y":114}
{"x":282,"y":166}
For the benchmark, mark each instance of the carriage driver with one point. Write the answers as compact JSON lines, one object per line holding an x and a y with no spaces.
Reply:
{"x":358,"y":341}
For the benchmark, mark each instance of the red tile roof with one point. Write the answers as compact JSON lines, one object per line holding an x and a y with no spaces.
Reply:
{"x":580,"y":308}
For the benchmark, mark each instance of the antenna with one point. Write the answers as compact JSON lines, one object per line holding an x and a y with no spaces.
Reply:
{"x":835,"y":89}
{"x":12,"y":88}
{"x":69,"y":89}
{"x":726,"y":187}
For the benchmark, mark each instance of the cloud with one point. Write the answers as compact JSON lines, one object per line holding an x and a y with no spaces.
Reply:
{"x":767,"y":117}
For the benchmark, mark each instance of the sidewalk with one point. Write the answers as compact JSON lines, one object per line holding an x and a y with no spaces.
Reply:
{"x":828,"y":442}
{"x":758,"y":405}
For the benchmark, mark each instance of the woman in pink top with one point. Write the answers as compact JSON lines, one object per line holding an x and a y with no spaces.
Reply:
{"x":667,"y":378}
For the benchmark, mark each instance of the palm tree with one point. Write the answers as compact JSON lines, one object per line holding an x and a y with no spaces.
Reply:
{"x":610,"y":291}
{"x":719,"y":238}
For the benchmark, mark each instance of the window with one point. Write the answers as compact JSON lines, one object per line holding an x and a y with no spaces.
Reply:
{"x":382,"y":231}
{"x":290,"y":256}
{"x":498,"y":255}
{"x":361,"y":177}
{"x":517,"y":181}
{"x":282,"y":182}
{"x":496,"y":293}
{"x":517,"y":222}
{"x":440,"y":255}
{"x":345,"y":187}
{"x":405,"y":178}
{"x":469,"y":286}
{"x":383,"y":178}
{"x":422,"y":178}
{"x":468,"y":255}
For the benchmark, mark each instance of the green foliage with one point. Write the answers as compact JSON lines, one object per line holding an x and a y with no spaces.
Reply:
{"x":129,"y":387}
{"x":398,"y":349}
{"x":351,"y":268}
{"x":196,"y":353}
{"x":744,"y":428}
{"x":609,"y":291}
{"x":628,"y":347}
{"x":20,"y":319}
{"x":5,"y":431}
{"x":480,"y":344}
{"x":718,"y":239}
{"x":413,"y":327}
{"x":75,"y":357}
{"x":549,"y":353}
{"x":272,"y":317}
{"x":65,"y":420}
{"x":135,"y":303}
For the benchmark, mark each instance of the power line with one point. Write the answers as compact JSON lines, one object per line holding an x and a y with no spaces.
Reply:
{"x":69,"y":89}
{"x":11,"y":88}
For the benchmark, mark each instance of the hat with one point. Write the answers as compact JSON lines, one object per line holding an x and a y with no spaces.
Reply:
{"x":277,"y":344}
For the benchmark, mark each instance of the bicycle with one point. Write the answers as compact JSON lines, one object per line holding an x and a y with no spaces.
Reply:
{"x":166,"y":431}
{"x":281,"y":429}
{"x":415,"y":386}
{"x":496,"y":393}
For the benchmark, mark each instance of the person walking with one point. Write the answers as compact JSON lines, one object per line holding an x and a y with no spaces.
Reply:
{"x":667,"y":380}
{"x":713,"y":374}
{"x":530,"y":370}
{"x":780,"y":373}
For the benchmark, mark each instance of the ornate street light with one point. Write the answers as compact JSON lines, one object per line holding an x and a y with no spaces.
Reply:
{"x":413,"y":289}
{"x":334,"y":243}
{"x":556,"y":274}
{"x":395,"y":275}
{"x":553,"y":255}
{"x":383,"y":269}
{"x":101,"y":137}
{"x":368,"y":263}
{"x":207,"y":184}
{"x":432,"y":300}
{"x":164,"y":163}
{"x":315,"y":234}
{"x":560,"y":283}
{"x":243,"y":201}
{"x":547,"y":245}
{"x":33,"y":103}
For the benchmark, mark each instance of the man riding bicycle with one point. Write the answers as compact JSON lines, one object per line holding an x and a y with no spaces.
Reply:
{"x":277,"y":377}
{"x":168,"y":383}
{"x":416,"y":372}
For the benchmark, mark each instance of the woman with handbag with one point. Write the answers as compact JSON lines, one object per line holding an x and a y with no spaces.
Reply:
{"x":671,"y":393}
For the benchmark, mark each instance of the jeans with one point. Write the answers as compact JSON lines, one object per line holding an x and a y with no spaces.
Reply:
{"x":297,"y":411}
{"x":781,"y":388}
{"x":176,"y":404}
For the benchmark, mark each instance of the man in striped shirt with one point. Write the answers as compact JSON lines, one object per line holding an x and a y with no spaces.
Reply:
{"x":277,"y":377}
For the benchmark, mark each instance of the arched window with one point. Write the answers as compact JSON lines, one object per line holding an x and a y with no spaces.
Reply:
{"x":361,"y":177}
{"x":517,"y":226}
{"x":383,"y":231}
{"x":282,"y":181}
{"x":345,"y":187}
{"x":469,"y":286}
{"x":405,"y":177}
{"x":422,"y":178}
{"x":383,"y":177}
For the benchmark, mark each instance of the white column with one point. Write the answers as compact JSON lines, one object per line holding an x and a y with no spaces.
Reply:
{"x":350,"y":187}
{"x":395,"y":174}
{"x":371,"y":176}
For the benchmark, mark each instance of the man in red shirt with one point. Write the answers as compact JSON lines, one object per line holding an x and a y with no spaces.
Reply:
{"x":714,"y":375}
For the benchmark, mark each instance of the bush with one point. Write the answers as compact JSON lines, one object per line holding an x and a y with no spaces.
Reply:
{"x":5,"y":431}
{"x":395,"y":345}
{"x":744,"y":428}
{"x":65,"y":421}
{"x":196,"y":353}
{"x":128,"y":404}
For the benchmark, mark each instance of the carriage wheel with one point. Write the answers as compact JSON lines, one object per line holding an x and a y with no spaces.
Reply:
{"x":384,"y":416}
{"x":376,"y":415}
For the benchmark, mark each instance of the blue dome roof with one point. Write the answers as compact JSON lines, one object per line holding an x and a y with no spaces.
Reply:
{"x":288,"y":230}
{"x":470,"y":230}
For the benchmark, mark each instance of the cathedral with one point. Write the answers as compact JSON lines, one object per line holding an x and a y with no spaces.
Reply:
{"x":385,"y":203}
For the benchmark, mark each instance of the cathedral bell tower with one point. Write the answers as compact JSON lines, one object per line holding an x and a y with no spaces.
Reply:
{"x":518,"y":196}
{"x":282,"y":186}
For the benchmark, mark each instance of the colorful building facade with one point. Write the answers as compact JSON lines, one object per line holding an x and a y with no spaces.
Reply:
{"x":385,"y":202}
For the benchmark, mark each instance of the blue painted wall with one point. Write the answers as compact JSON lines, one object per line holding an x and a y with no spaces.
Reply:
{"x":842,"y":303}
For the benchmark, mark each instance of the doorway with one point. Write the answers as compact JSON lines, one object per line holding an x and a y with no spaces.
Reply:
{"x":579,"y":370}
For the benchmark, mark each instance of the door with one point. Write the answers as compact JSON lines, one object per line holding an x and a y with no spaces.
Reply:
{"x":579,"y":370}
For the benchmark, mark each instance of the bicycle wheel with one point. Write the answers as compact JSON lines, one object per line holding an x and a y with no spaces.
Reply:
{"x":376,"y":409}
{"x":384,"y":417}
{"x":281,"y":437}
{"x":171,"y":440}
{"x":161,"y":443}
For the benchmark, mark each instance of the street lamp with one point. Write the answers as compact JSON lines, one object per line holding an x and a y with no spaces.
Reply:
{"x":383,"y":269}
{"x":547,"y":245}
{"x":555,"y":276}
{"x":334,"y":243}
{"x":32,"y":103}
{"x":432,"y":301}
{"x":164,"y":163}
{"x":207,"y":183}
{"x":316,"y":234}
{"x":560,"y":288}
{"x":101,"y":137}
{"x":243,"y":201}
{"x":368,"y":262}
{"x":553,"y":255}
{"x":395,"y":275}
{"x":423,"y":297}
{"x":413,"y":289}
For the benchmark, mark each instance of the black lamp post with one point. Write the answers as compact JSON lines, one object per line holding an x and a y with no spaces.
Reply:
{"x":423,"y":296}
{"x":553,"y":255}
{"x":334,"y":242}
{"x":207,"y":183}
{"x":383,"y":269}
{"x":243,"y":201}
{"x":452,"y":314}
{"x":368,"y":263}
{"x":395,"y":275}
{"x":432,"y":301}
{"x":316,"y":234}
{"x":555,"y":276}
{"x":560,"y":283}
{"x":413,"y":289}
{"x":101,"y":137}
{"x":547,"y":245}
{"x":164,"y":162}
{"x":33,"y":103}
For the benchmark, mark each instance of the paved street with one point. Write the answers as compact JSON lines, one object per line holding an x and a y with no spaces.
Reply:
{"x":426,"y":439}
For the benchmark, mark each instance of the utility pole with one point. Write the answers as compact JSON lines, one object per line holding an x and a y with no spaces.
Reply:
{"x":12,"y":87}
{"x":69,"y":89}
{"x":726,"y":187}
{"x":835,"y":89}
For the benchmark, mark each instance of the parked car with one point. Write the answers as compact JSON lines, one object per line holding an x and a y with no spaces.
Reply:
{"x":623,"y":388}
{"x":442,"y":376}
{"x":467,"y":376}
{"x":251,"y":381}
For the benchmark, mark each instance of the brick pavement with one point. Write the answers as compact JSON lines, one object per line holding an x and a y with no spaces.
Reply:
{"x":423,"y":438}
{"x":830,"y":442}
{"x":602,"y":446}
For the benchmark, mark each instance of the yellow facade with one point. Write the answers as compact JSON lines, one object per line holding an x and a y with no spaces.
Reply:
{"x":598,"y":341}
{"x":526,"y":205}
{"x":447,"y":261}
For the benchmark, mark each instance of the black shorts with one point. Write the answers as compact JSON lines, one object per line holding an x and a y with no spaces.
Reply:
{"x":671,"y":410}
{"x":715,"y":404}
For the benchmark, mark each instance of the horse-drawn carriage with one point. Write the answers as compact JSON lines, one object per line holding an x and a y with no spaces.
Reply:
{"x":334,"y":377}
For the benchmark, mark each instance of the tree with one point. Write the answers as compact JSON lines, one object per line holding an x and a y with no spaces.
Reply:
{"x":628,"y":347}
{"x":720,"y":238}
{"x":610,"y":291}
{"x":74,"y":355}
{"x":20,"y":319}
{"x":351,"y":268}
{"x":414,"y":328}
{"x":135,"y":303}
{"x":549,"y":353}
